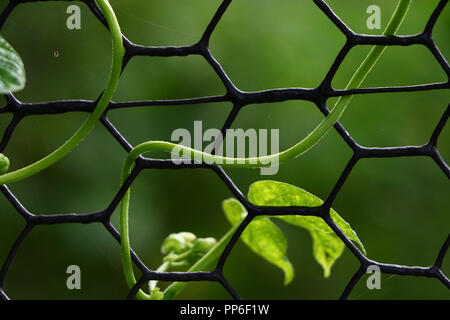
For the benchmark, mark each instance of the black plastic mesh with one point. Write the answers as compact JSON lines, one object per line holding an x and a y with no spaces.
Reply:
{"x":239,"y":99}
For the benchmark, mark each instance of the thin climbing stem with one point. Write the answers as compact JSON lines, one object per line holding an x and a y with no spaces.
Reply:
{"x":311,"y":139}
{"x":88,"y":125}
{"x":304,"y":145}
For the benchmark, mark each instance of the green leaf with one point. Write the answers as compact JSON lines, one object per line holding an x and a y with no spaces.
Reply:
{"x":327,"y":246}
{"x":12,"y":72}
{"x":262,"y":236}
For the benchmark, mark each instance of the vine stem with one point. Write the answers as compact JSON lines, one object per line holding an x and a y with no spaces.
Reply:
{"x":89,"y":124}
{"x":304,"y":145}
{"x":312,"y":138}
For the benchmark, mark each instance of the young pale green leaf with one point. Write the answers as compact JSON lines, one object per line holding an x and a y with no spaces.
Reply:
{"x":262,"y":236}
{"x":12,"y":72}
{"x":327,"y":246}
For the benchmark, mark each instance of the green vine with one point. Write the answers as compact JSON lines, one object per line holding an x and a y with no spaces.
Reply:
{"x":301,"y":147}
{"x":88,"y":125}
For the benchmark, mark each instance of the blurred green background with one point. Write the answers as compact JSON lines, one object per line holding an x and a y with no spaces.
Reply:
{"x":399,"y":207}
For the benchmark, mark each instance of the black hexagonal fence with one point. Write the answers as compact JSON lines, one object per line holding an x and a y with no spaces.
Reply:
{"x":239,"y":99}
